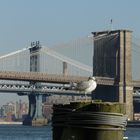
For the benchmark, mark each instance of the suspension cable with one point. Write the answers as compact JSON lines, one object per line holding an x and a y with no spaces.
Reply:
{"x":66,"y":59}
{"x":13,"y":53}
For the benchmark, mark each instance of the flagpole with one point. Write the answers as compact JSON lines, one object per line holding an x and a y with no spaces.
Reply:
{"x":111,"y":25}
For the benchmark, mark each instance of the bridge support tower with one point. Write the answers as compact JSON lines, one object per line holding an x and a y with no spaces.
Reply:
{"x":35,"y":117}
{"x":112,"y":58}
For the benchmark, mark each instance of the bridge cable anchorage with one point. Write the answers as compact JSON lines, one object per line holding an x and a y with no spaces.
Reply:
{"x":63,"y":58}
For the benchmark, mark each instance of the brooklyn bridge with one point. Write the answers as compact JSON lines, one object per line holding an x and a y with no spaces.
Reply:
{"x":110,"y":56}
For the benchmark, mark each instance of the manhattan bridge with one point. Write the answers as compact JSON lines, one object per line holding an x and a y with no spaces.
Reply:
{"x":111,"y":56}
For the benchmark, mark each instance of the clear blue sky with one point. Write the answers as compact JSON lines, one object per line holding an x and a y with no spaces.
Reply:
{"x":56,"y":21}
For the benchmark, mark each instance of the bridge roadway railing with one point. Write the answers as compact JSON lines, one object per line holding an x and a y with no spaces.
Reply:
{"x":50,"y":78}
{"x":55,"y":78}
{"x":39,"y":77}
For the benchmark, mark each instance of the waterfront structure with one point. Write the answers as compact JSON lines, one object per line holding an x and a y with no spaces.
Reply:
{"x":112,"y":58}
{"x":89,"y":120}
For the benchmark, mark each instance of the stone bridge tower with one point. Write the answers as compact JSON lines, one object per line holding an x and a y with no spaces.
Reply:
{"x":112,"y":58}
{"x":35,"y":116}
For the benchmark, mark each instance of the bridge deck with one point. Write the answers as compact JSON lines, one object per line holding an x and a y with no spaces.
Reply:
{"x":53,"y":78}
{"x":39,"y":77}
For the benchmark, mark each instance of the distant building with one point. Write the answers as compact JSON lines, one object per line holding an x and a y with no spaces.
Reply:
{"x":136,"y":116}
{"x":1,"y":112}
{"x":48,"y":102}
{"x":14,"y":111}
{"x":9,"y":107}
{"x":21,"y":108}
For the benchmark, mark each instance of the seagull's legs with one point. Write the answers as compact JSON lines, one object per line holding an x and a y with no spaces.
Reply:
{"x":86,"y":96}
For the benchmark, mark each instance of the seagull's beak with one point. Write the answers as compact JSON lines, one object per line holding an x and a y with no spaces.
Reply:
{"x":92,"y":78}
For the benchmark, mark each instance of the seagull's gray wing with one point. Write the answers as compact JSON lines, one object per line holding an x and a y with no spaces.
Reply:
{"x":83,"y":85}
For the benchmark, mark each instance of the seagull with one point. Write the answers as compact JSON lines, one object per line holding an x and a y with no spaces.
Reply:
{"x":86,"y":86}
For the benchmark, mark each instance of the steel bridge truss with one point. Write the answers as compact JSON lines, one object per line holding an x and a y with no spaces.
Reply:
{"x":26,"y":89}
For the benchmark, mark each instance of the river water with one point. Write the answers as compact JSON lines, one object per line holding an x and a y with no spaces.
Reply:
{"x":133,"y":133}
{"x":20,"y":132}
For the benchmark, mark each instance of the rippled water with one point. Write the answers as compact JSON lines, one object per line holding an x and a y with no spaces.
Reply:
{"x":133,"y":133}
{"x":20,"y":132}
